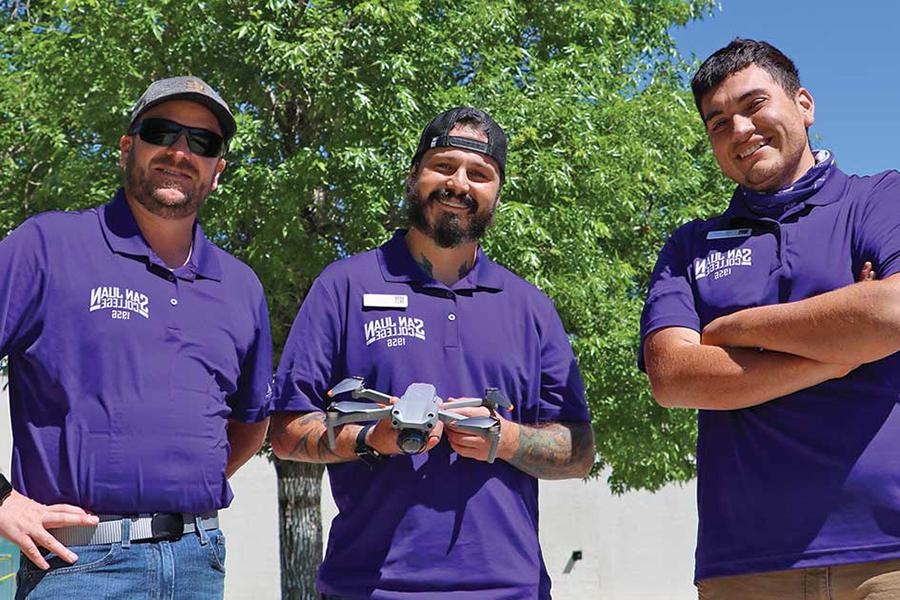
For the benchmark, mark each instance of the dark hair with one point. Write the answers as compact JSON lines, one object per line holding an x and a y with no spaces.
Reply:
{"x":737,"y":56}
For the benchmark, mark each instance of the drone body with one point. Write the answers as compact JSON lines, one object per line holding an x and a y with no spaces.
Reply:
{"x":414,"y":414}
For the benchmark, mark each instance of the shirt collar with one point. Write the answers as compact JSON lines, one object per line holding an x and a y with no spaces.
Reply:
{"x":398,"y":266}
{"x":124,"y":237}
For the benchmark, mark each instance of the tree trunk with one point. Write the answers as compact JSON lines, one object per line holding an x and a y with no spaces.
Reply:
{"x":300,"y":527}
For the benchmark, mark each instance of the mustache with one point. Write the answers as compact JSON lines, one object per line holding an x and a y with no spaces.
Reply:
{"x":183,"y":165}
{"x":445,"y":194}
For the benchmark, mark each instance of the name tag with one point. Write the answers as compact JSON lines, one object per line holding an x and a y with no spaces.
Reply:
{"x":385,"y":301}
{"x":723,"y":234}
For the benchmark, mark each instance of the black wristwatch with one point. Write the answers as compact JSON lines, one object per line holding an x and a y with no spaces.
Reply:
{"x":365,"y":452}
{"x":6,"y":488}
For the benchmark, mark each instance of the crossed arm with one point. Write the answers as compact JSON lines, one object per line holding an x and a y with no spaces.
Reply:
{"x":548,"y":451}
{"x":856,"y":324}
{"x":805,"y":342}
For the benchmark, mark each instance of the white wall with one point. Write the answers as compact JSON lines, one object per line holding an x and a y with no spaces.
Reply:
{"x":639,"y":546}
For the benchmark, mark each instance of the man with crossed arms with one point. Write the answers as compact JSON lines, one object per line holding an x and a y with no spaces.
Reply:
{"x":755,"y":317}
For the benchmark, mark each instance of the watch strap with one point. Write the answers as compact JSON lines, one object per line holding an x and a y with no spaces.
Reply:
{"x":364,"y":451}
{"x":6,"y":488}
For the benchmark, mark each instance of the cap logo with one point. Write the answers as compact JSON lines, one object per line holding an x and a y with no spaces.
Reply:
{"x":192,"y":85}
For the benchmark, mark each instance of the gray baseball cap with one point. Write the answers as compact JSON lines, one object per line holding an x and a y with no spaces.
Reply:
{"x":186,"y":88}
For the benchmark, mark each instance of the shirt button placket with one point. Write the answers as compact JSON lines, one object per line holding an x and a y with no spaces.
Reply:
{"x":451,"y":331}
{"x":173,"y":301}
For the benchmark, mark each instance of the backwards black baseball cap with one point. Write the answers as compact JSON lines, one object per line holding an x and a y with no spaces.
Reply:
{"x":186,"y":88}
{"x":437,"y":135}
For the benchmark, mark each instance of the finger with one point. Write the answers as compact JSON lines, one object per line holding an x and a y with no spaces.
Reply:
{"x":67,"y":508}
{"x":434,"y":436}
{"x":31,"y":551}
{"x":55,"y":546}
{"x":866,"y":274}
{"x":51,"y":520}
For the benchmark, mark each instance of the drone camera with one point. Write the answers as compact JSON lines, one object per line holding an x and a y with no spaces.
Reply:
{"x":411,"y":441}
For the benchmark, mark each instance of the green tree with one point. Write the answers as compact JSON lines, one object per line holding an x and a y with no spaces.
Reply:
{"x":606,"y":158}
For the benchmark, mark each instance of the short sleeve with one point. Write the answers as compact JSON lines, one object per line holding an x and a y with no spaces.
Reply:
{"x":305,"y":370}
{"x":562,"y":389}
{"x":670,"y":297}
{"x":23,"y":282}
{"x":252,"y":402}
{"x":878,"y":231}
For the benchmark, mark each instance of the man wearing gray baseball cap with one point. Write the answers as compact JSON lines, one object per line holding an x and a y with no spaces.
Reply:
{"x":139,"y":362}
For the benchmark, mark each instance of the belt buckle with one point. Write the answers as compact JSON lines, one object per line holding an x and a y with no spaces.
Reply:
{"x":167,"y":526}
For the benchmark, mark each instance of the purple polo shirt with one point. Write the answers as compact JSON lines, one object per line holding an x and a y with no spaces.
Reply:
{"x":123,"y":374}
{"x":436,"y":524}
{"x":811,"y":479}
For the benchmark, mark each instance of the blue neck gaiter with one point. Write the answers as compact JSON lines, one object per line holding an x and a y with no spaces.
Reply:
{"x":773,"y":205}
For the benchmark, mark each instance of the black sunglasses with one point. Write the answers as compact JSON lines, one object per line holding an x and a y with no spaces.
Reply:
{"x":163,"y":132}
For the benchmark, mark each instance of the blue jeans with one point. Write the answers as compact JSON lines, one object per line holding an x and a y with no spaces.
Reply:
{"x":192,"y":568}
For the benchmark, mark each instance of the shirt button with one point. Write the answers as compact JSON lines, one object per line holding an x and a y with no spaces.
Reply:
{"x":171,"y":277}
{"x":451,"y":316}
{"x":173,"y":301}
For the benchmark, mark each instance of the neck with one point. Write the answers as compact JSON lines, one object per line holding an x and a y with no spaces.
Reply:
{"x":447,"y":265}
{"x":170,"y":239}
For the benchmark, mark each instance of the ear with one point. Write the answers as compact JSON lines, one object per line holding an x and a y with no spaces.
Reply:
{"x":807,"y":106}
{"x":411,"y":176}
{"x":220,"y":166}
{"x":125,"y":144}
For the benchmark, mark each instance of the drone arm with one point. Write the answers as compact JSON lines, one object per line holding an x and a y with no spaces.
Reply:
{"x":373,"y":395}
{"x":448,"y":417}
{"x":468,"y":402}
{"x":495,"y":443}
{"x":356,"y":417}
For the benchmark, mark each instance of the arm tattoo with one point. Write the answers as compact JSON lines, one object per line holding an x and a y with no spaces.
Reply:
{"x":555,"y":450}
{"x":426,"y":266}
{"x":308,"y":438}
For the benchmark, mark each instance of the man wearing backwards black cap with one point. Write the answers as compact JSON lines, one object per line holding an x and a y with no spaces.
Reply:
{"x":139,"y":360}
{"x":428,"y":306}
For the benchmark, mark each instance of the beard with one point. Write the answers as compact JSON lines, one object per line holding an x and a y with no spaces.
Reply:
{"x":447,"y":231}
{"x":148,"y":189}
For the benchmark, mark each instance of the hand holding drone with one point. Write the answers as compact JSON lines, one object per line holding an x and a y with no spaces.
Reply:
{"x":414,"y":414}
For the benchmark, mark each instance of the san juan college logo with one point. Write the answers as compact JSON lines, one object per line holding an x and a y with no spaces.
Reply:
{"x":122,"y":302}
{"x":719,"y":264}
{"x":395,"y":331}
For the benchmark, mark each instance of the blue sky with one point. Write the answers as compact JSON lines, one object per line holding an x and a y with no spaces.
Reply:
{"x":848,"y":54}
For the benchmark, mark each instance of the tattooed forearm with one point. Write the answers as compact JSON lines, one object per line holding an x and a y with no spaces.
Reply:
{"x":555,"y":450}
{"x":305,"y":438}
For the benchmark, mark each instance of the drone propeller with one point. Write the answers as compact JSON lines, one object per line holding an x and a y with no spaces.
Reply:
{"x":347,"y":385}
{"x":493,"y":398}
{"x":349,"y":406}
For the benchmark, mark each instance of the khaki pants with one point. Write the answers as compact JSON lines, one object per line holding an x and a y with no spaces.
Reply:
{"x":863,"y":581}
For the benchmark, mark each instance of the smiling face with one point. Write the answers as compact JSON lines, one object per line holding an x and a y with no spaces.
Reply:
{"x":758,"y":131}
{"x":453,"y":193}
{"x":171,"y":181}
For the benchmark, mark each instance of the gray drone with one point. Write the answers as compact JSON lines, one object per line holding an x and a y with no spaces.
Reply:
{"x":414,"y":414}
